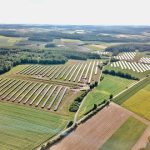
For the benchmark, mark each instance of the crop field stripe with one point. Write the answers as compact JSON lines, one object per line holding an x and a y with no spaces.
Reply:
{"x":36,"y":70}
{"x":5,"y":86}
{"x":77,"y":73}
{"x":33,"y":92}
{"x":7,"y":89}
{"x":61,"y":70}
{"x":96,"y":69}
{"x":41,"y":90}
{"x":15,"y":92}
{"x":54,"y":98}
{"x":74,"y":71}
{"x":51,"y":71}
{"x":55,"y":72}
{"x":47,"y":71}
{"x":45,"y":102}
{"x":47,"y":67}
{"x":69,"y":72}
{"x":82,"y":73}
{"x":43,"y":96}
{"x":26,"y":69}
{"x":1,"y":80}
{"x":22,"y":92}
{"x":87,"y":70}
{"x":4,"y":82}
{"x":63,"y":73}
{"x":90,"y":78}
{"x":12,"y":89}
{"x":27,"y":91}
{"x":32,"y":69}
{"x":39,"y":70}
{"x":25,"y":83}
{"x":60,"y":99}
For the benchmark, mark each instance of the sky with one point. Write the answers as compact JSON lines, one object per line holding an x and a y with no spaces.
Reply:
{"x":75,"y":12}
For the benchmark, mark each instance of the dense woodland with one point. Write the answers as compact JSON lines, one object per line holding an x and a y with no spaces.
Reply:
{"x":128,"y":48}
{"x":12,"y":57}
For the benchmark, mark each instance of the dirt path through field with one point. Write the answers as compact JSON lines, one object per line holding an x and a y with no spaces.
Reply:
{"x":92,"y":134}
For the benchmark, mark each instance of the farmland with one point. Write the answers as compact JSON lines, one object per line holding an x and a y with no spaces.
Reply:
{"x":95,"y":132}
{"x":22,"y":128}
{"x":126,"y":136}
{"x":109,"y":85}
{"x":74,"y":71}
{"x":127,"y":94}
{"x":53,"y":76}
{"x":139,"y":102}
{"x":34,"y":94}
{"x":9,"y":41}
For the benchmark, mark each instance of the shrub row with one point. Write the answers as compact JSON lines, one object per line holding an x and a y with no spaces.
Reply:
{"x":120,"y":74}
{"x":75,"y":105}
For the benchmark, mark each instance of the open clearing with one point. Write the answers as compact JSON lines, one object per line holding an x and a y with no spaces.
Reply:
{"x":9,"y":41}
{"x":95,"y":132}
{"x":126,"y":136}
{"x":23,"y":128}
{"x":109,"y":85}
{"x":140,"y":102}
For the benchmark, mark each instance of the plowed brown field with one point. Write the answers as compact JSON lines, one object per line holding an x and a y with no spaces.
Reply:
{"x":92,"y":134}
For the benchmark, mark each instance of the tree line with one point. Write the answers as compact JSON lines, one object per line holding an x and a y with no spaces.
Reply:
{"x":128,"y":48}
{"x":120,"y":74}
{"x":10,"y":57}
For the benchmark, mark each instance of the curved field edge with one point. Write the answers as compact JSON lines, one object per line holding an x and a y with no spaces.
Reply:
{"x":126,"y":136}
{"x":109,"y":85}
{"x":131,"y":91}
{"x":139,"y":103}
{"x":23,"y":128}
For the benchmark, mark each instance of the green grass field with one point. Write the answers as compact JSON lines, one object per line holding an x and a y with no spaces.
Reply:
{"x":109,"y":85}
{"x":9,"y":41}
{"x":124,"y":96}
{"x":140,"y":102}
{"x":23,"y":128}
{"x":126,"y":136}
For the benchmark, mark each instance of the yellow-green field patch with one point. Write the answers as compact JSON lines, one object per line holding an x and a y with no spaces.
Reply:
{"x":140,"y":102}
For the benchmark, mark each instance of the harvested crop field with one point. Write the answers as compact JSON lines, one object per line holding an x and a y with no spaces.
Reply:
{"x":95,"y":132}
{"x":126,"y":136}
